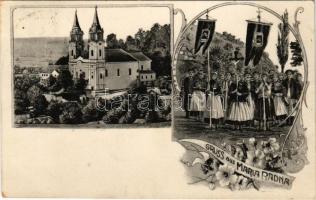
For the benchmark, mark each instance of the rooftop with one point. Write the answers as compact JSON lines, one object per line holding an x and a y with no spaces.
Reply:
{"x":118,"y":55}
{"x":140,"y":56}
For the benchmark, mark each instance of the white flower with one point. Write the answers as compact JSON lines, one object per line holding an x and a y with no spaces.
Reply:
{"x":241,"y":183}
{"x":225,"y":175}
{"x":270,"y":146}
{"x":239,"y":154}
{"x":255,"y":158}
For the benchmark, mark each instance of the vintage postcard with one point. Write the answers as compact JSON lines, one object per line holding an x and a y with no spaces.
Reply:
{"x":158,"y":99}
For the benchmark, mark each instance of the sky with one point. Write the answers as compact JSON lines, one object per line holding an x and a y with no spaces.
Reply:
{"x":57,"y":22}
{"x":233,"y":20}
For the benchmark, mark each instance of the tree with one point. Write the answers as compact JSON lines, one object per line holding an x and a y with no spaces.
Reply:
{"x":33,"y":93}
{"x":62,"y":60}
{"x":296,"y":50}
{"x":71,"y":113}
{"x":283,"y":42}
{"x":40,"y":105}
{"x":64,"y":79}
{"x":80,"y":84}
{"x":111,"y":41}
{"x":121,"y":44}
{"x":20,"y":101}
{"x":54,"y":109}
{"x":130,"y":43}
{"x":140,"y":38}
{"x":91,"y":112}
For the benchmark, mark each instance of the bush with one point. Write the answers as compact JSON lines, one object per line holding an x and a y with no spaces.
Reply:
{"x":71,"y":113}
{"x":32,"y":94}
{"x":91,"y":112}
{"x":113,"y":116}
{"x":20,"y":101}
{"x":40,"y":105}
{"x":54,"y":109}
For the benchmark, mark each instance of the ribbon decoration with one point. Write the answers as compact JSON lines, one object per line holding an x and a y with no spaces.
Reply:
{"x":239,"y":166}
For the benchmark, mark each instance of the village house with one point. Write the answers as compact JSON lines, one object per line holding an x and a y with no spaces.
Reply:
{"x":105,"y":69}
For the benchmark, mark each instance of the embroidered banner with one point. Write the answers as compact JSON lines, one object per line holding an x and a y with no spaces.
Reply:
{"x":204,"y":34}
{"x":239,"y":166}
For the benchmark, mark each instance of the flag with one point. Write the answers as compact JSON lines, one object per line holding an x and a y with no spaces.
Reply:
{"x":256,"y":40}
{"x":204,"y":34}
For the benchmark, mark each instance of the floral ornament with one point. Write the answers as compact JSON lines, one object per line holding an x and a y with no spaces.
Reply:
{"x":255,"y":158}
{"x":241,"y":183}
{"x":252,"y":144}
{"x":210,"y":166}
{"x":270,"y":146}
{"x":239,"y":153}
{"x":225,"y":175}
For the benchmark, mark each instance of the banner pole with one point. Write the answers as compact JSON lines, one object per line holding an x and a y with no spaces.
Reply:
{"x":264,"y":104}
{"x":209,"y":78}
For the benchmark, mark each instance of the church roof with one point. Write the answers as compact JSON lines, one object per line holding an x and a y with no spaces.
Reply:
{"x":118,"y":55}
{"x":76,"y":21}
{"x":76,"y":26}
{"x":140,"y":56}
{"x":96,"y":23}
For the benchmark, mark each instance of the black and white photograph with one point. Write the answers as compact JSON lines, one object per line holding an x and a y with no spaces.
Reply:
{"x":239,"y":96}
{"x":92,"y":67}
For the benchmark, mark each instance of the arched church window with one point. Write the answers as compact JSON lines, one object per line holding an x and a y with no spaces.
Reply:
{"x":100,"y":53}
{"x":106,"y":73}
{"x":129,"y":71}
{"x":101,"y":76}
{"x":72,"y":52}
{"x":118,"y":72}
{"x":91,"y":52}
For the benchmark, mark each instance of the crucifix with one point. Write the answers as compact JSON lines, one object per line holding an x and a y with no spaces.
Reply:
{"x":259,"y":14}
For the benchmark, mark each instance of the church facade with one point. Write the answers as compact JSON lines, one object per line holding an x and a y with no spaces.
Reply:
{"x":105,"y":69}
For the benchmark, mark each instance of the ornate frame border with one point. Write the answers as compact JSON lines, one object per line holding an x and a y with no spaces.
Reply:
{"x":298,"y":121}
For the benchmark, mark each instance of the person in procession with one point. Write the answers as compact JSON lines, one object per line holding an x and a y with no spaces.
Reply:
{"x":187,"y":91}
{"x":278,"y":91}
{"x":225,"y":87}
{"x":214,"y":107}
{"x":239,"y":112}
{"x":265,"y":107}
{"x":291,"y":95}
{"x":198,"y":101}
{"x":250,"y":99}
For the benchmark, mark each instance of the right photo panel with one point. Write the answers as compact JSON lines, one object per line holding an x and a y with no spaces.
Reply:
{"x":240,"y":77}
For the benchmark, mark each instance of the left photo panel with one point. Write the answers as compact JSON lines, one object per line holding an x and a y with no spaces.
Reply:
{"x":91,"y":66}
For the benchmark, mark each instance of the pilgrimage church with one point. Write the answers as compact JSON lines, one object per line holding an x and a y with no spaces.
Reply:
{"x":105,"y":69}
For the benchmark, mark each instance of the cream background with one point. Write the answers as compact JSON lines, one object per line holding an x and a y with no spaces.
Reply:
{"x":134,"y":163}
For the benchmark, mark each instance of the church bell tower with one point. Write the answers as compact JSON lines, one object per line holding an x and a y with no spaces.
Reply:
{"x":96,"y":39}
{"x":76,"y":44}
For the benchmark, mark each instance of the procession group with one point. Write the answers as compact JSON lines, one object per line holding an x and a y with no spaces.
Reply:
{"x":249,"y":99}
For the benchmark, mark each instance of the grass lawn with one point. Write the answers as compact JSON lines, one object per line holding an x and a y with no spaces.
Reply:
{"x":184,"y":128}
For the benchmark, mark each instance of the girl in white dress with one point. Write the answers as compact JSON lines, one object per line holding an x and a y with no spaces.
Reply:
{"x":198,"y":101}
{"x":214,"y":106}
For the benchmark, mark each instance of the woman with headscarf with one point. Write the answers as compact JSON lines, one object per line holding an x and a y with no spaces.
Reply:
{"x":278,"y":92}
{"x":214,"y":107}
{"x":265,"y":108}
{"x":198,"y":101}
{"x":239,"y":111}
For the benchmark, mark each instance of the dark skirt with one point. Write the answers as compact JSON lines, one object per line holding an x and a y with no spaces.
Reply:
{"x":269,"y":109}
